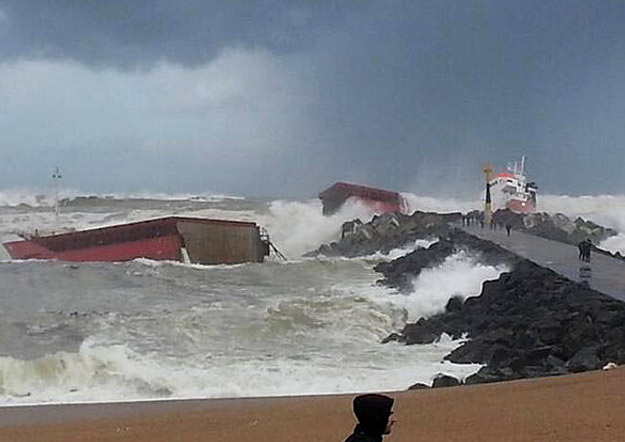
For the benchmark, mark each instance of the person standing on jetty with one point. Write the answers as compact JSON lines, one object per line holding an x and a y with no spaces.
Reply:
{"x":508,"y":228}
{"x":587,"y":249}
{"x":375,"y":418}
{"x":581,"y":247}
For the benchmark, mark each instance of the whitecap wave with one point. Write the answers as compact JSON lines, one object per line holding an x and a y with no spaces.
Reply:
{"x":442,"y":205}
{"x":614,"y":244}
{"x":47,"y":197}
{"x":298,"y":227}
{"x":458,"y":276}
{"x":606,"y":210}
{"x":100,"y":373}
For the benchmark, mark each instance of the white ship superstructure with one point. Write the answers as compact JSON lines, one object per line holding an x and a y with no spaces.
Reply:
{"x":510,"y":189}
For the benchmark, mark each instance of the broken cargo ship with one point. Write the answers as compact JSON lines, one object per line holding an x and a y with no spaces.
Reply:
{"x":193,"y":240}
{"x":378,"y":200}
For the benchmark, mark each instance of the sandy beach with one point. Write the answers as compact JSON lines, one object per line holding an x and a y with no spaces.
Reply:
{"x":583,"y":407}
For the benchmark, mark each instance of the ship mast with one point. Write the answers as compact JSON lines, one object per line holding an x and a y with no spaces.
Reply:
{"x":56,"y":179}
{"x":488,"y":207}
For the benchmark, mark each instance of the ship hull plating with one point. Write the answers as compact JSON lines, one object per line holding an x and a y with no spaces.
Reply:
{"x":203,"y":241}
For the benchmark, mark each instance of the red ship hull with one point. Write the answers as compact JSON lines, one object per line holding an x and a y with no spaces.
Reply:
{"x":204,"y":241}
{"x":380,"y":206}
{"x":378,"y":200}
{"x":517,"y":206}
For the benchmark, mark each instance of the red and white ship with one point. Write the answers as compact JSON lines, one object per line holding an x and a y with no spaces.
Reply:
{"x":511,"y":190}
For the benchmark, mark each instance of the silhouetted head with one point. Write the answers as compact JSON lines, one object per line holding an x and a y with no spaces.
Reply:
{"x":373,"y":412}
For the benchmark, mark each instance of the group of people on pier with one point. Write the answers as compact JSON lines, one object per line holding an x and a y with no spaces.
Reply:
{"x":473,"y":218}
{"x":584,"y":248}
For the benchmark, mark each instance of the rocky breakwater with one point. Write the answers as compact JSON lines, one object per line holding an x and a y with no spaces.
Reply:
{"x":530,"y":322}
{"x":557,"y":227}
{"x":385,"y":233}
{"x":400,"y":272}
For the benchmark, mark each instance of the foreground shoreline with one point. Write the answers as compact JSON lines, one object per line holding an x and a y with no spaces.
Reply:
{"x":580,"y":407}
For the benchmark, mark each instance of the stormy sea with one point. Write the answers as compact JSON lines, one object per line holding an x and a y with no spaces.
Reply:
{"x":143,"y":330}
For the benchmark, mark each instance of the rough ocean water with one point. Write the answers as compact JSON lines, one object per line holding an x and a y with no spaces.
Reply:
{"x":76,"y":332}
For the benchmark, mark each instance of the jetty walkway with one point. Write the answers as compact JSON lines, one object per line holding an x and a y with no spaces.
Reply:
{"x":608,"y":273}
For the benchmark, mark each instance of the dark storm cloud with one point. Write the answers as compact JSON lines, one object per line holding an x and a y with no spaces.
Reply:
{"x":141,"y":32}
{"x":409,"y":95}
{"x":430,"y":90}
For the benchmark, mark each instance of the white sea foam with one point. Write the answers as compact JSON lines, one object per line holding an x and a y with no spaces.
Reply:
{"x":402,"y":251}
{"x":34,"y":197}
{"x":315,"y":329}
{"x":47,"y":197}
{"x":436,"y":204}
{"x":614,"y":244}
{"x":301,"y":327}
{"x":458,"y":276}
{"x":106,"y":373}
{"x":606,"y":210}
{"x":160,"y":196}
{"x":298,"y":227}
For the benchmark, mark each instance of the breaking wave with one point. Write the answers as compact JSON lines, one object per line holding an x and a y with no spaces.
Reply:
{"x":315,"y":330}
{"x":435,"y":204}
{"x":606,"y":210}
{"x":614,"y":244}
{"x":299,"y":227}
{"x":301,"y":327}
{"x":47,"y":197}
{"x":102,"y":374}
{"x":458,"y":276}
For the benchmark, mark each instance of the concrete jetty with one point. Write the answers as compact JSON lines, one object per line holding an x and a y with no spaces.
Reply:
{"x":607,"y":274}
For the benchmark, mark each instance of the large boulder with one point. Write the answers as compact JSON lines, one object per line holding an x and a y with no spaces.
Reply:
{"x":443,"y":380}
{"x":386,"y":232}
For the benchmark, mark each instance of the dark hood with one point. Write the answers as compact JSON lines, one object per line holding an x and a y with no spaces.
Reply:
{"x":373,"y":411}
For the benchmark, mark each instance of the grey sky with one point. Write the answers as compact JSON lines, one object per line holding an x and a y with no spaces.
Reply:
{"x":282,"y":98}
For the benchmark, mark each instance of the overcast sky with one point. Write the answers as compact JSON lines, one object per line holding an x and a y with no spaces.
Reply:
{"x":282,"y":98}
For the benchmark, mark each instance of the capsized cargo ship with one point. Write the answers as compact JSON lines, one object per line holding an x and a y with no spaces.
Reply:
{"x":192,"y":240}
{"x":511,"y":190}
{"x":379,"y":200}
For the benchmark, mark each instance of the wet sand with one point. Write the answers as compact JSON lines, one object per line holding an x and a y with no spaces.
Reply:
{"x":583,"y":407}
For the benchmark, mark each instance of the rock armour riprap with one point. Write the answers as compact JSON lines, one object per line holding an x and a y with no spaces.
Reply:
{"x":556,"y":227}
{"x":530,"y":322}
{"x":386,"y":232}
{"x":400,"y":272}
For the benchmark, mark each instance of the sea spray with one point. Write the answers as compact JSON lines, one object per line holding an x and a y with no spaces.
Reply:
{"x":402,"y":251}
{"x":606,"y":210}
{"x":439,"y":204}
{"x":614,"y":244}
{"x":299,"y":227}
{"x":146,"y":329}
{"x":171,"y":331}
{"x":99,"y":374}
{"x":458,"y":276}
